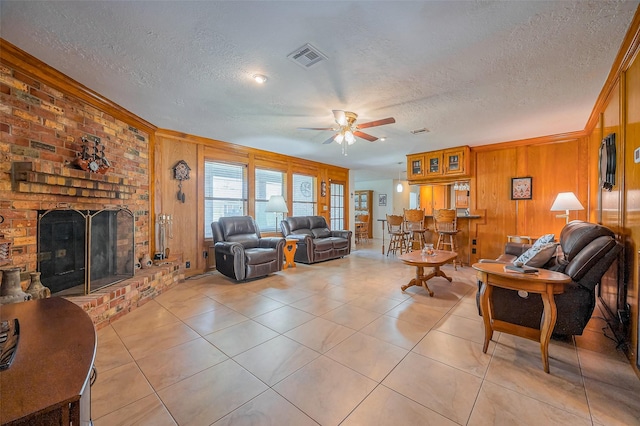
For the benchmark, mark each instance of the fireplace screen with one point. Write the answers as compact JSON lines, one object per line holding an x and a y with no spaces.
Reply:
{"x":83,"y":251}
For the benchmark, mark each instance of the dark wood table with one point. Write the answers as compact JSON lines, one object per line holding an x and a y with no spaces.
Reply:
{"x":421,"y":261}
{"x":52,"y":365}
{"x":546,"y":283}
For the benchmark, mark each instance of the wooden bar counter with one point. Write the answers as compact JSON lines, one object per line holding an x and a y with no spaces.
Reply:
{"x":48,"y":381}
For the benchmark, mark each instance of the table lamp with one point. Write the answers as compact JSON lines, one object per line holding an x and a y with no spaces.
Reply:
{"x":277,"y":204}
{"x":566,"y":201}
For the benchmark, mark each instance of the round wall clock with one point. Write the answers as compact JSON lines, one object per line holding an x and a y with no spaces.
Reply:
{"x":305,"y":189}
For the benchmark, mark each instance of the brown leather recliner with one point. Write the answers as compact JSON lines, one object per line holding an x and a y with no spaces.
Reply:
{"x":314,"y":240}
{"x":241,"y":253}
{"x":587,"y":251}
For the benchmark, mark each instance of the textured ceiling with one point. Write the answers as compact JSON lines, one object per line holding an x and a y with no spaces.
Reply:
{"x":473,"y":73}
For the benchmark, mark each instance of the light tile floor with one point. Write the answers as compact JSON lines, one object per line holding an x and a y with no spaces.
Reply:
{"x":339,"y":343}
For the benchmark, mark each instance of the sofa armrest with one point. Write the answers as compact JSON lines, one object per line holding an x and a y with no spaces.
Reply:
{"x":228,"y":248}
{"x":491,"y":261}
{"x":230,"y":259}
{"x":342,"y":234}
{"x":301,"y":238}
{"x":516,"y":249}
{"x":270,"y":242}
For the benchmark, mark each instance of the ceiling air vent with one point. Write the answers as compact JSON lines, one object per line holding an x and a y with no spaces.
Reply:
{"x":418,"y":131}
{"x":307,"y":56}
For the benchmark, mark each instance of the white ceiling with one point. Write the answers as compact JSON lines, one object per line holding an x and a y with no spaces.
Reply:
{"x":473,"y":73}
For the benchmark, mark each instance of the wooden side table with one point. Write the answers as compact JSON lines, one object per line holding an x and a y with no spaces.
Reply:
{"x":49,"y":380}
{"x":546,"y":283}
{"x":290,"y":247}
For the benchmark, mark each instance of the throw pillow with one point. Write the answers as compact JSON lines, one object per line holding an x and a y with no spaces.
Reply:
{"x":537,"y":256}
{"x":545,"y":239}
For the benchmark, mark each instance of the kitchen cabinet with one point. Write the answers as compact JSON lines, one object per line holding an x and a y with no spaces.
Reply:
{"x":439,"y":165}
{"x":415,"y":166}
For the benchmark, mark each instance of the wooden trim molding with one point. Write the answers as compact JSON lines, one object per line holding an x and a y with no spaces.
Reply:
{"x":628,"y":51}
{"x":560,"y":137}
{"x":32,"y":66}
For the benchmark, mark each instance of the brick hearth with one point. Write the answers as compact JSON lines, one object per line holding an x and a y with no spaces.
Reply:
{"x":110,"y":303}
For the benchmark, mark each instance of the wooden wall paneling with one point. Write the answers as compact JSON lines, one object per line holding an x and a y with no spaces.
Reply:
{"x":554,"y":168}
{"x":632,"y":194}
{"x":492,"y":196}
{"x":611,"y":200}
{"x":202,"y":263}
{"x":595,"y":195}
{"x":522,"y":206}
{"x":185,"y":239}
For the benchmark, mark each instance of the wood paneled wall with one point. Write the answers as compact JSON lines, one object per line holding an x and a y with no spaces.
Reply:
{"x":188,"y":217}
{"x":632,"y":198}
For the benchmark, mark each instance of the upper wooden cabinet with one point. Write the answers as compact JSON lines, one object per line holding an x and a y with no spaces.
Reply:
{"x":415,"y":166}
{"x":363,"y":204}
{"x":363,"y":201}
{"x":439,"y":165}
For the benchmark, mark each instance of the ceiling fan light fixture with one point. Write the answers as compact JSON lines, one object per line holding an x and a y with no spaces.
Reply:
{"x":339,"y":138}
{"x":259,"y":78}
{"x":348,"y":136}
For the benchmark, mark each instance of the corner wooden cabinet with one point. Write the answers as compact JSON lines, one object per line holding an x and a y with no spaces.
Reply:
{"x":435,"y":165}
{"x":363,"y":205}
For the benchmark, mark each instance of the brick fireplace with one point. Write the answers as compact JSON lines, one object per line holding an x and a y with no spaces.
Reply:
{"x":42,"y":129}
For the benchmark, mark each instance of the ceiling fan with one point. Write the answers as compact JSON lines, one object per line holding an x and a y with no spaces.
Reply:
{"x":347,"y":130}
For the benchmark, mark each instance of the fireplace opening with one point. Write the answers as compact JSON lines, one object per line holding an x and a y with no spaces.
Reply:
{"x":82,"y":251}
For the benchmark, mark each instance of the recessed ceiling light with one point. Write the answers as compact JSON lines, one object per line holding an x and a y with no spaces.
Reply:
{"x":382,"y":139}
{"x":259,"y":78}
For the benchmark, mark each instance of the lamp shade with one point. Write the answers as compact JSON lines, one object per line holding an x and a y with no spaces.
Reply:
{"x":277,"y":204}
{"x":566,"y":201}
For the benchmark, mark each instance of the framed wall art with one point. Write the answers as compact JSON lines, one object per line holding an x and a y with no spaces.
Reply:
{"x":382,"y":199}
{"x":521,"y":188}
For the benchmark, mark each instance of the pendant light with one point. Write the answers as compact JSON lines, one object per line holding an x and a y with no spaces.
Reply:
{"x":399,"y":186}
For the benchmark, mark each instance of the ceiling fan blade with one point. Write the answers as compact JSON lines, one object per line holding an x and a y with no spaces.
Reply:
{"x":340,"y":117}
{"x":317,"y":128}
{"x":330,"y":139}
{"x":365,"y":136}
{"x":382,"y":122}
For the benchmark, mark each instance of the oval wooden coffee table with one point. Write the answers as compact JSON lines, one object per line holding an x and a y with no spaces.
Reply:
{"x":421,"y":261}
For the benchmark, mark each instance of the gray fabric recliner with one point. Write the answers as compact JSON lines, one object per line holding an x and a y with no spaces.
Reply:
{"x":241,"y":253}
{"x":587,"y":252}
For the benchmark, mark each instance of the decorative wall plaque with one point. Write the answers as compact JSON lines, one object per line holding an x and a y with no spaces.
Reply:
{"x":92,"y":158}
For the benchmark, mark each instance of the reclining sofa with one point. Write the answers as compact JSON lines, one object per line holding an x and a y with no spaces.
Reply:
{"x":315,"y":242}
{"x":587,"y":250}
{"x":241,"y":253}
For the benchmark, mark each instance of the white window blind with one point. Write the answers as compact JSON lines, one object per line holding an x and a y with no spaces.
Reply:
{"x":225,"y":192}
{"x":268,"y":183}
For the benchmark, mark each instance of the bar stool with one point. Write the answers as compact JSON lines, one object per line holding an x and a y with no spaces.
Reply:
{"x":446,"y":226}
{"x":397,"y":234}
{"x":414,"y":225}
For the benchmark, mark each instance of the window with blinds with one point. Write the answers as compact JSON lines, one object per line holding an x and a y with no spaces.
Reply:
{"x":268,"y":183}
{"x":225,"y":192}
{"x":304,"y":199}
{"x":337,"y":206}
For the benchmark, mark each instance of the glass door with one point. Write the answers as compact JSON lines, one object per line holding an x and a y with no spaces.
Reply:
{"x":336,"y":200}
